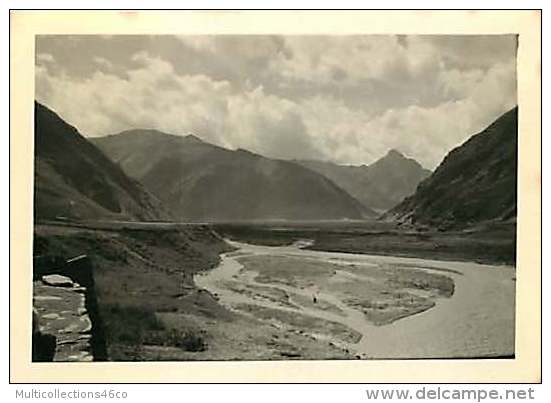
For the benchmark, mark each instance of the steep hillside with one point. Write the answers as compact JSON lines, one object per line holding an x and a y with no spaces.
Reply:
{"x":476,"y":182}
{"x":74,"y":179}
{"x":199,"y":181}
{"x":380,"y":185}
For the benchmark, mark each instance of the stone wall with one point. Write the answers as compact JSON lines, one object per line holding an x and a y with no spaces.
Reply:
{"x":65,"y":306}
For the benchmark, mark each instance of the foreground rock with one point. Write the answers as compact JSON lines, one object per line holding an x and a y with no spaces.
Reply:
{"x":57,"y":280}
{"x":61,"y":309}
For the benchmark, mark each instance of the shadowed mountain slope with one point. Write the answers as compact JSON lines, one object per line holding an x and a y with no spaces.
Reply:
{"x":200,"y":181}
{"x":74,"y":179}
{"x":475,"y":182}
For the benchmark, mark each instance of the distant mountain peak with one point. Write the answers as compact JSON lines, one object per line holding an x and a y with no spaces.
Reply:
{"x":194,"y":138}
{"x":244,"y":151}
{"x":380,"y":185}
{"x":395,"y":153}
{"x":394,"y":157}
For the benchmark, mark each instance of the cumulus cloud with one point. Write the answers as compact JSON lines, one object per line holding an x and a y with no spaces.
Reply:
{"x":352,"y":58}
{"x":154,"y":96}
{"x":344,"y":99}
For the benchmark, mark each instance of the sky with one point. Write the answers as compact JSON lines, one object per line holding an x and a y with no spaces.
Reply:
{"x":344,"y":99}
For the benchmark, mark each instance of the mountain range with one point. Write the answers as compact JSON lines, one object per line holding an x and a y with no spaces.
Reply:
{"x":150,"y":175}
{"x":475,"y":182}
{"x":199,"y":181}
{"x":74,"y":179}
{"x":380,"y":185}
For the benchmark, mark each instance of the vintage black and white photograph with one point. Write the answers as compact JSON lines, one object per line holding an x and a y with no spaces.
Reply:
{"x":274,"y":197}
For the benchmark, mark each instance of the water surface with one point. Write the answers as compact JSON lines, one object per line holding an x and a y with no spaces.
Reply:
{"x":477,"y":321}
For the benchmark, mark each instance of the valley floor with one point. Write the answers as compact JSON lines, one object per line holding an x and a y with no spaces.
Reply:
{"x":160,"y":299}
{"x":372,"y":306}
{"x":492,"y":243}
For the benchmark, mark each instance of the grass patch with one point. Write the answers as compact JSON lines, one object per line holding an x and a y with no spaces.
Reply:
{"x":130,"y":327}
{"x":129,"y":324}
{"x":187,"y":341}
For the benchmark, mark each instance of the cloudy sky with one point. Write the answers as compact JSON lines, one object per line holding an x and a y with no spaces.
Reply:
{"x":346,"y":99}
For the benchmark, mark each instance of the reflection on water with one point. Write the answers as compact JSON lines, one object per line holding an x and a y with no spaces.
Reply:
{"x":477,"y":321}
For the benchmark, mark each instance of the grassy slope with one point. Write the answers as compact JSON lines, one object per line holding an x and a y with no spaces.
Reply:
{"x":73,"y":178}
{"x":199,"y":181}
{"x":140,"y":273}
{"x":476,"y":182}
